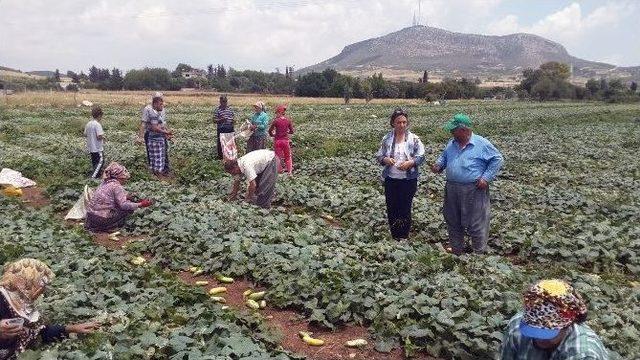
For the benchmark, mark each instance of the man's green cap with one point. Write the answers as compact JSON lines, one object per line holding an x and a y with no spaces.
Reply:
{"x":458,"y":120}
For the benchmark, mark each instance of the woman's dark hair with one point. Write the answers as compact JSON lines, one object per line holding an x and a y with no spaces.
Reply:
{"x":398,"y":112}
{"x":223,"y":98}
{"x":581,"y":318}
{"x":156,"y":99}
{"x":96,"y":112}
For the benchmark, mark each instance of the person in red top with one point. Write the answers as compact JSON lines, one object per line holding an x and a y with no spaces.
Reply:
{"x":280,"y":129}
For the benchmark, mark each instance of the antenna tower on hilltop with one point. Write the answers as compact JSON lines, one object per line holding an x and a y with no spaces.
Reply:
{"x":417,"y":20}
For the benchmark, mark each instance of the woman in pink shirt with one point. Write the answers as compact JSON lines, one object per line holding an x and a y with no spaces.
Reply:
{"x":280,"y":129}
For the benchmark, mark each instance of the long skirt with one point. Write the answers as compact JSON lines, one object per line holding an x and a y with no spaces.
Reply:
{"x":399,"y":195}
{"x":266,"y":185}
{"x":96,"y":223}
{"x":157,"y":155}
{"x":256,"y":142}
{"x":466,"y":210}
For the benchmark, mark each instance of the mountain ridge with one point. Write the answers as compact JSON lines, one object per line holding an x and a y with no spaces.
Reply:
{"x":436,"y":50}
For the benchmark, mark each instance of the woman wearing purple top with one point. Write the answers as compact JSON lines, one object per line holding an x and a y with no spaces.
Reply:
{"x":111,"y":205}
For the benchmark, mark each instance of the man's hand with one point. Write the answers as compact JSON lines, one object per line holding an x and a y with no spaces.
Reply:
{"x":389,"y":161}
{"x":232,"y":197}
{"x":435,"y":168}
{"x":139,"y":140}
{"x":9,"y":331}
{"x":406,"y":165}
{"x":82,"y":328}
{"x":253,"y":127}
{"x":482,"y":184}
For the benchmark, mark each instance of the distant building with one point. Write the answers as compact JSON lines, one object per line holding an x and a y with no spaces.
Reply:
{"x":193,"y":73}
{"x":65,"y":81}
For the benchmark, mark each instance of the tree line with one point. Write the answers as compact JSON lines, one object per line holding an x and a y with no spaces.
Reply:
{"x":549,"y":82}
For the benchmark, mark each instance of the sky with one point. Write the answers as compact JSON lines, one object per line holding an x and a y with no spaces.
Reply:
{"x":270,"y":34}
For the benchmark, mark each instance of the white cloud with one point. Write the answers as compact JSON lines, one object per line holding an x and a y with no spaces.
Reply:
{"x":595,"y":35}
{"x":506,"y":25}
{"x":257,"y":34}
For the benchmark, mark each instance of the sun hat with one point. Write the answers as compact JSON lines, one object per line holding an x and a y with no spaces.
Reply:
{"x":458,"y":120}
{"x":550,"y":306}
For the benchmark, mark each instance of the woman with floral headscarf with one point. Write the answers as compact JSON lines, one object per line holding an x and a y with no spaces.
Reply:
{"x":111,"y":205}
{"x":552,"y":326}
{"x":21,"y":325}
{"x":259,"y":125}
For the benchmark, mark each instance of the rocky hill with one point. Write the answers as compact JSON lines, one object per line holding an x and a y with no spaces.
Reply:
{"x":420,"y":48}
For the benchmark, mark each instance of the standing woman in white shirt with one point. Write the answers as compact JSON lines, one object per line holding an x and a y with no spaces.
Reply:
{"x":401,"y":153}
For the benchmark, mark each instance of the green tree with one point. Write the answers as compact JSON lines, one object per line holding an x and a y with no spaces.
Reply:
{"x":312,"y":84}
{"x":116,"y":82}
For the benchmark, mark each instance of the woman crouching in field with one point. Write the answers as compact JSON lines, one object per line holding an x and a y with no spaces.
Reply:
{"x":110,"y":205}
{"x":21,"y":326}
{"x":401,"y":153}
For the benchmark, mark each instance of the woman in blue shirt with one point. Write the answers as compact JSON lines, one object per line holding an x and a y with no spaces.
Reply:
{"x":401,"y":153}
{"x":259,"y":125}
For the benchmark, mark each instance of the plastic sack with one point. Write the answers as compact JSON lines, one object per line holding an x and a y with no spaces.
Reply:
{"x":245,"y":130}
{"x":15,"y":179}
{"x":79,"y":209}
{"x":229,"y":149}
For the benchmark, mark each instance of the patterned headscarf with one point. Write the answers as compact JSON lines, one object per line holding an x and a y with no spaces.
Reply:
{"x":116,"y":171}
{"x":260,"y":105}
{"x":550,"y":305}
{"x":22,"y":283}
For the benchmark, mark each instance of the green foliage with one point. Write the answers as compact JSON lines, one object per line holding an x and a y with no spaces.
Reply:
{"x":149,"y":79}
{"x":557,"y":212}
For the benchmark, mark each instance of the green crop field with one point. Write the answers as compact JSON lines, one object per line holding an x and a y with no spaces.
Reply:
{"x":566,"y":204}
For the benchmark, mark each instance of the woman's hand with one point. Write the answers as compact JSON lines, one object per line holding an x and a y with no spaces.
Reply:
{"x":82,"y":328}
{"x":145,"y":203}
{"x":389,"y":161}
{"x":9,"y":331}
{"x":406,"y":165}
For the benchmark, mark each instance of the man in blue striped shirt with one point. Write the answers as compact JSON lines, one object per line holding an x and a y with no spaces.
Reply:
{"x":224,"y":119}
{"x":471,"y":163}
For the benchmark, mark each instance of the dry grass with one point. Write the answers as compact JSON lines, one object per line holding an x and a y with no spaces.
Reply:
{"x":140,"y":98}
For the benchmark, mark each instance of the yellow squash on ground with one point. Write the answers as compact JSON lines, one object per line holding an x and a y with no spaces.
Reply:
{"x":257,"y":295}
{"x":224,"y":279}
{"x":11,"y":190}
{"x":217,"y":290}
{"x":252,"y":304}
{"x":356,"y":343}
{"x":306,"y":337}
{"x":138,"y":260}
